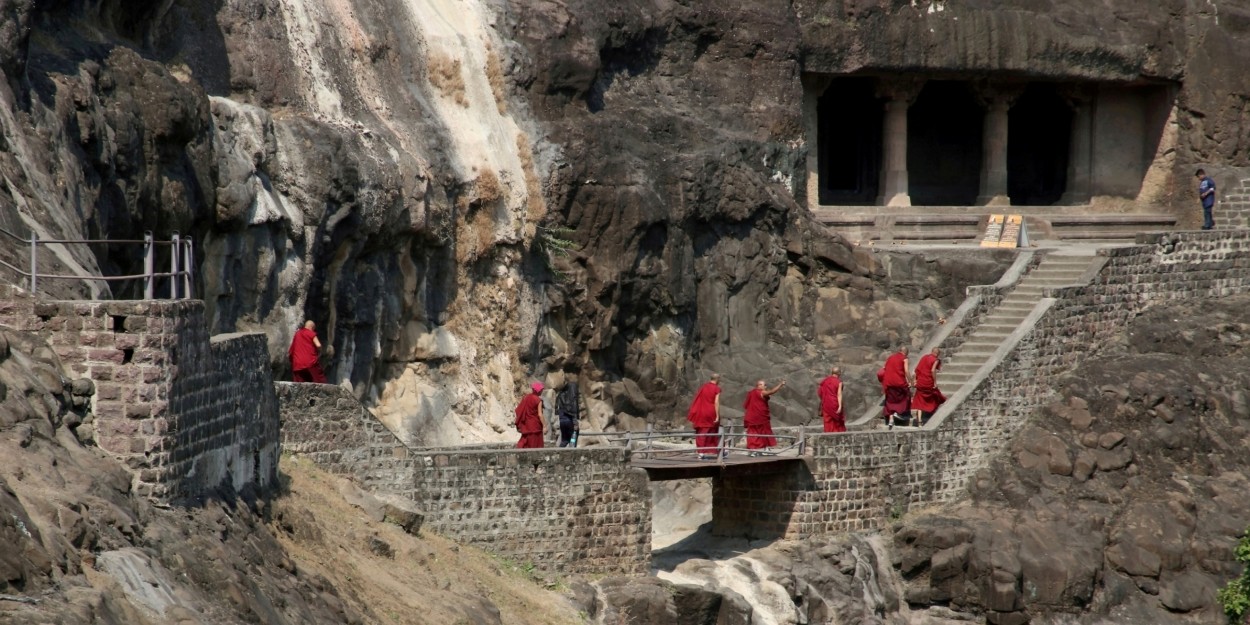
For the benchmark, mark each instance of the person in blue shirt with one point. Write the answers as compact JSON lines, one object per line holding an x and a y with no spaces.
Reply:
{"x":1206,"y":193}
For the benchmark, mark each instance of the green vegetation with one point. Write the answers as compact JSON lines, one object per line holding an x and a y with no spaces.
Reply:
{"x":555,"y":244}
{"x":1235,"y":597}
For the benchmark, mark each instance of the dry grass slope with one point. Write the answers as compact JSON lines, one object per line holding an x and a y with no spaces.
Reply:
{"x":429,"y":580}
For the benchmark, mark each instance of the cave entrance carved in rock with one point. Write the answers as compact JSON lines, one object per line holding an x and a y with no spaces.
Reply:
{"x":899,"y":141}
{"x":850,"y":117}
{"x":1040,"y":131}
{"x":944,"y":145}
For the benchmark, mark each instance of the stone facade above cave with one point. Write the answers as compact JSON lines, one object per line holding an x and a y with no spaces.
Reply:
{"x":913,"y":140}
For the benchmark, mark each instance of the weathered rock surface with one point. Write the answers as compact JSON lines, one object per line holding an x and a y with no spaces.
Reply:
{"x":1141,"y":526}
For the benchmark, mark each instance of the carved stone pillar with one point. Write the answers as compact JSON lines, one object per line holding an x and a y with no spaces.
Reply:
{"x":898,"y":95}
{"x":1080,"y":158}
{"x":997,"y":99}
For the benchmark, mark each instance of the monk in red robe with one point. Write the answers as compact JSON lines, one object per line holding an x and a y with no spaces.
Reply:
{"x":896,"y":384}
{"x":758,"y":420}
{"x":928,"y":398}
{"x":704,"y":415}
{"x":831,"y":401}
{"x":304,"y":352}
{"x":529,"y":421}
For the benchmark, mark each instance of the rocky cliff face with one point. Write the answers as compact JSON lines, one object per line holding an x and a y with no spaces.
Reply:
{"x":399,"y":170}
{"x":386,"y":168}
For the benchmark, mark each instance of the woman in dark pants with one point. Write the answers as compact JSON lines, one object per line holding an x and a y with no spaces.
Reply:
{"x":568,"y":409}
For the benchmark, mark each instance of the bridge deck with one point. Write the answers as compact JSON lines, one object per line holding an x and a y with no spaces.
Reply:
{"x":684,"y":466}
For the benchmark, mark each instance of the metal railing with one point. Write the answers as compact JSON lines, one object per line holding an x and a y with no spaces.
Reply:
{"x":181,"y":266}
{"x":730,"y":441}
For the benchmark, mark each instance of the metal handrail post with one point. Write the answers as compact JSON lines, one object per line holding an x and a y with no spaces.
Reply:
{"x":149,"y":266}
{"x":649,"y":439}
{"x":802,"y":441}
{"x":34,"y":262}
{"x":720,"y":444}
{"x":173,"y":267}
{"x":187,"y":267}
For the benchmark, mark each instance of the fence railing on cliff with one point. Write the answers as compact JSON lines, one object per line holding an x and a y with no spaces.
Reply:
{"x":180,"y":274}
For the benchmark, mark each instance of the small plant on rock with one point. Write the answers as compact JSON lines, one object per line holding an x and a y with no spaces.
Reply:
{"x":554,"y":244}
{"x":1235,"y":597}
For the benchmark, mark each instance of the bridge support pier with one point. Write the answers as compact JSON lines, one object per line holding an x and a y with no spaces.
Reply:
{"x":762,"y":507}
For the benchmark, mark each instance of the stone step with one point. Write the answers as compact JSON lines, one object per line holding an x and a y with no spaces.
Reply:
{"x":1106,"y":236}
{"x":1003,"y":316}
{"x":1013,"y":309}
{"x":1049,"y":281}
{"x":960,"y":369}
{"x":996,"y":329}
{"x":1020,"y":308}
{"x":979,"y":350}
{"x":1058,"y":272}
{"x":1148,"y":220}
{"x":1019,"y":302}
{"x":930,"y":234}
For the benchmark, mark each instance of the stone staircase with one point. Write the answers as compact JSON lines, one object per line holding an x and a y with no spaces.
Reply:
{"x":1056,"y":269}
{"x":960,"y":363}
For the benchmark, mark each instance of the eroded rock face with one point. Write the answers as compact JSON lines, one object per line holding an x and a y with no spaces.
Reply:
{"x":398,"y":171}
{"x":1117,"y":503}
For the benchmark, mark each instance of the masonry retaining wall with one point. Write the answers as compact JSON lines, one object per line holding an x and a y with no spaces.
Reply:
{"x":186,"y":414}
{"x":859,"y":480}
{"x":326,"y":424}
{"x":571,"y":510}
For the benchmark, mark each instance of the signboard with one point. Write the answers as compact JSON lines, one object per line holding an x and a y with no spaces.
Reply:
{"x":1011,"y":231}
{"x":993,"y":231}
{"x":1006,"y":231}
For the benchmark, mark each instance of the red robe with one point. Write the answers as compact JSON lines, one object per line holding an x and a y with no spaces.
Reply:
{"x":758,"y":420}
{"x":830,"y":407}
{"x":303,"y":354}
{"x":928,"y":398}
{"x":895,"y":370}
{"x":894,"y":383}
{"x":702,"y":411}
{"x":529,"y":422}
{"x":702,"y":415}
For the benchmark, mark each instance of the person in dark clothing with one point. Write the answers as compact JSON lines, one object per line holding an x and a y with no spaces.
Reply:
{"x":568,"y":409}
{"x":1206,"y":194}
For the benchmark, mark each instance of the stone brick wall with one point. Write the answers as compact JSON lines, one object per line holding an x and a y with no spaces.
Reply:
{"x":327,"y":424}
{"x":1232,"y":207}
{"x":185,"y":413}
{"x":573,"y":510}
{"x":859,"y":480}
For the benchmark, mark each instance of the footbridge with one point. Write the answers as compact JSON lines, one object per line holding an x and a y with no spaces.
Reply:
{"x":671,"y":455}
